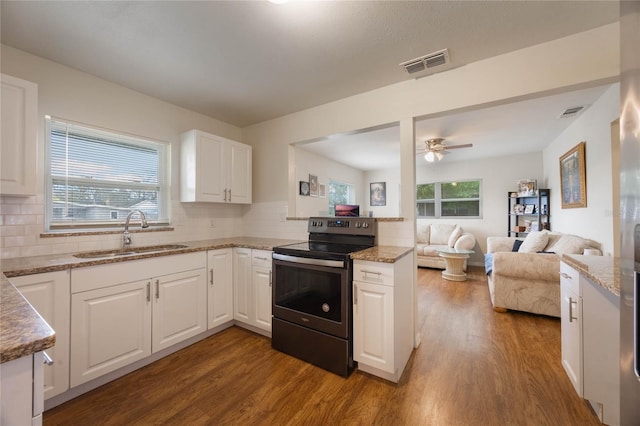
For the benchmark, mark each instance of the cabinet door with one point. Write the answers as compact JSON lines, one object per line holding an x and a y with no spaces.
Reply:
{"x":601,"y":340}
{"x":242,"y":294}
{"x":49,"y":294}
{"x":110,"y":328}
{"x":261,"y":282}
{"x":18,"y":162}
{"x":571,"y":334}
{"x":373,"y":340}
{"x":211,"y":169}
{"x":220,"y":291}
{"x":239,"y":176}
{"x":179,"y":308}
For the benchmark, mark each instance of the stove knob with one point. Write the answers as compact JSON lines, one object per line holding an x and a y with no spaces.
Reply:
{"x":320,"y":223}
{"x":358,"y":225}
{"x":365,"y":225}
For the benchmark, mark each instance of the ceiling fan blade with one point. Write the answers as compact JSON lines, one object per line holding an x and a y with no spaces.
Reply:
{"x":468,"y":145}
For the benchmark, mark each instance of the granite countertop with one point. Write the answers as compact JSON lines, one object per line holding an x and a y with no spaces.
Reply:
{"x":602,"y":270}
{"x":24,"y":332}
{"x":384,"y":254}
{"x":51,"y":263}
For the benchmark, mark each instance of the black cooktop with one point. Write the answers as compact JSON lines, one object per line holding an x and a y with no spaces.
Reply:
{"x":320,"y":250}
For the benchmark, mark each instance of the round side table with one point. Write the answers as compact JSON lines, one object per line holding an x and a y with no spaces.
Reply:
{"x":454,"y":263}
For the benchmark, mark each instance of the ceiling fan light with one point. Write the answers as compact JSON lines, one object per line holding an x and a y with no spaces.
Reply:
{"x":439,"y":155}
{"x":430,"y":156}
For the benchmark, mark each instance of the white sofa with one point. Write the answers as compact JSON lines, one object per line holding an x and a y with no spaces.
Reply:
{"x":434,"y":236}
{"x":528,"y":280}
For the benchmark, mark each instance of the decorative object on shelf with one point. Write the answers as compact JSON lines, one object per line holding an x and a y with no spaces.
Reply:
{"x":378,"y":194}
{"x":313,"y":185}
{"x":573,"y":182}
{"x":527,"y":188}
{"x":527,"y":213}
{"x":322,"y":190}
{"x":304,"y":188}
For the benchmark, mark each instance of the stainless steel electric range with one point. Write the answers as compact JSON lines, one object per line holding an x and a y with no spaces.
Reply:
{"x":312,"y":292}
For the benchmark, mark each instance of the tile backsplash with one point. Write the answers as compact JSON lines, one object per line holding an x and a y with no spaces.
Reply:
{"x":22,"y":223}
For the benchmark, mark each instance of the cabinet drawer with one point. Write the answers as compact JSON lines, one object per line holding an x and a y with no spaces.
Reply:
{"x":373,"y":272}
{"x":570,"y":278}
{"x":261,"y":258}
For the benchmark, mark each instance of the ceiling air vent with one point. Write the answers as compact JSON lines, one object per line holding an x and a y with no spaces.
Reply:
{"x":426,"y":62}
{"x":571,"y":112}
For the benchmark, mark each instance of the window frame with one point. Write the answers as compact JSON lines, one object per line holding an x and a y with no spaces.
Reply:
{"x":352,"y":194}
{"x":438,"y":200}
{"x":164,"y":178}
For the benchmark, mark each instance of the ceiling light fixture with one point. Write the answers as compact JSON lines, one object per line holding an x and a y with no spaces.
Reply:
{"x":434,"y":149}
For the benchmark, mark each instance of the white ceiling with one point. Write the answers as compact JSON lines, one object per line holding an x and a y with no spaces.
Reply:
{"x":244,"y":62}
{"x":508,"y":129}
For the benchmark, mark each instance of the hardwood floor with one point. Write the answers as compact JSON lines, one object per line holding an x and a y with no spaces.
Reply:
{"x":474,"y":367}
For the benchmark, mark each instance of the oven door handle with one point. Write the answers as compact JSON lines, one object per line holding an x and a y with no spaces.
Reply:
{"x":309,"y":261}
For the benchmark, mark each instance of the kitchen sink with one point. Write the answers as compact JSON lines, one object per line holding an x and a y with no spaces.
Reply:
{"x":130,"y":251}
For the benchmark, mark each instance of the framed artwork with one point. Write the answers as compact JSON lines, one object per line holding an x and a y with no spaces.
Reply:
{"x":573,"y":177}
{"x":304,"y":188}
{"x":527,"y":187}
{"x":378,"y":194}
{"x":313,"y":185}
{"x":529,"y":209}
{"x":322,"y":190}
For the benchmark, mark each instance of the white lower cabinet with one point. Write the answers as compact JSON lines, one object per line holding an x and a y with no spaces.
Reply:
{"x":48,"y":293}
{"x":571,"y":329}
{"x":252,"y":287}
{"x":118,"y":316}
{"x":382,"y":317}
{"x":21,"y":389}
{"x":220,"y":293}
{"x":590,"y":328}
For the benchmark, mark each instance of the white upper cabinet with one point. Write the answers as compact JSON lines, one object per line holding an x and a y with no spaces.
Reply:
{"x":214,"y":169}
{"x":18,"y":159}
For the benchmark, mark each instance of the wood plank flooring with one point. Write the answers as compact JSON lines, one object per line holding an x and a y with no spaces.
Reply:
{"x":474,"y":367}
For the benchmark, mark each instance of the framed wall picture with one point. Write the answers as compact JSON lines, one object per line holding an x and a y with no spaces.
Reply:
{"x":378,"y":194}
{"x":322,"y":190}
{"x":573,"y":177}
{"x":304,"y":188}
{"x":313,"y":185}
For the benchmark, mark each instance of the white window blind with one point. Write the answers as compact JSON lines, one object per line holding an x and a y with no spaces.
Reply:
{"x":97,"y":177}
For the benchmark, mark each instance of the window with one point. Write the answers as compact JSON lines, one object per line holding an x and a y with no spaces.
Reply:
{"x":449,"y":199}
{"x":340,"y":193}
{"x":95,"y":178}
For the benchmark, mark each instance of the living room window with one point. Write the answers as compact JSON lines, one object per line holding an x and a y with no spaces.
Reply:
{"x":96,"y":177}
{"x":461,"y":199}
{"x":340,"y":193}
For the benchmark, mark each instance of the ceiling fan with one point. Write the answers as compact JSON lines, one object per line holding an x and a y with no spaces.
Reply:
{"x":436,"y":149}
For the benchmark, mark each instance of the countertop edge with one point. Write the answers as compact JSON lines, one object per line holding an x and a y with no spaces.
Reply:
{"x":382,"y":254}
{"x":23,"y":330}
{"x":602,"y":270}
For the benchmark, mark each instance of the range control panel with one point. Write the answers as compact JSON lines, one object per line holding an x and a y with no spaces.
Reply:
{"x":343,"y":225}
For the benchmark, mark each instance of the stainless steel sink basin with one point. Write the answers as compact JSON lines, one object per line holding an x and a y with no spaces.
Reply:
{"x":130,"y":251}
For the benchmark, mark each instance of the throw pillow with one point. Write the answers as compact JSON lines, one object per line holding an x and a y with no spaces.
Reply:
{"x":454,"y":236}
{"x":535,"y":241}
{"x":570,"y":244}
{"x":440,"y":233}
{"x":516,"y":245}
{"x":423,"y":232}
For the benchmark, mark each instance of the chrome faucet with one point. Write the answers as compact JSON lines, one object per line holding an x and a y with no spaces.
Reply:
{"x":126,"y":238}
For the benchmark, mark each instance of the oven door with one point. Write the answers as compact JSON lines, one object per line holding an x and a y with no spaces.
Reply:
{"x":313,"y":293}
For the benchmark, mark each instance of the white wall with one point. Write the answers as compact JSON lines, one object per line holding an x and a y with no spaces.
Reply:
{"x":583,"y":58}
{"x":307,"y":163}
{"x":70,"y":94}
{"x":594,"y":127}
{"x":499,"y":176}
{"x":392,"y":179}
